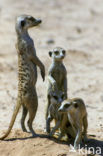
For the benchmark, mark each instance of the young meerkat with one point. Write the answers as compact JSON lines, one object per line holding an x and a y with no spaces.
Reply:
{"x":57,"y":75}
{"x":77,"y":115}
{"x":56,"y":97}
{"x":27,"y":73}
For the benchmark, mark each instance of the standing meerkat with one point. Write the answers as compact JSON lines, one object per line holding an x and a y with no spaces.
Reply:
{"x":57,"y":75}
{"x":77,"y":115}
{"x":27,"y":73}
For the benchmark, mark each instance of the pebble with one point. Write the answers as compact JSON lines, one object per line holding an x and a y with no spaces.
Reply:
{"x":50,"y":41}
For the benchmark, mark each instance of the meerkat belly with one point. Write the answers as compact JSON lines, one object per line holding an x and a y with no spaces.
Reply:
{"x":26,"y":74}
{"x":58,"y":76}
{"x":33,"y":72}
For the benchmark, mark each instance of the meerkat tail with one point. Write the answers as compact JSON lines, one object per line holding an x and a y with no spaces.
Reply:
{"x":12,"y":121}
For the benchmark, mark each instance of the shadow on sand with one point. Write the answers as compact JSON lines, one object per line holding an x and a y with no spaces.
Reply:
{"x":93,"y":145}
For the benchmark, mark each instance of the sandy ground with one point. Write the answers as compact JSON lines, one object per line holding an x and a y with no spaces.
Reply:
{"x":76,"y":25}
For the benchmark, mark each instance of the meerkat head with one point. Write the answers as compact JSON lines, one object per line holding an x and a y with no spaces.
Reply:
{"x":24,"y":22}
{"x":70,"y":105}
{"x":57,"y":54}
{"x":56,"y":97}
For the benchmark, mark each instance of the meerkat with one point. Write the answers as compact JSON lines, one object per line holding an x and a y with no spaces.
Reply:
{"x":56,"y":97}
{"x":27,"y":73}
{"x":61,"y":120}
{"x":57,"y":74}
{"x":77,"y":115}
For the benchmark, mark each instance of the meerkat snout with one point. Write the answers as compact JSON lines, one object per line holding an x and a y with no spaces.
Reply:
{"x":38,"y":21}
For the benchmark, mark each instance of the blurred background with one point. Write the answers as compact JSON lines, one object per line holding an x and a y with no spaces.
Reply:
{"x":75,"y":25}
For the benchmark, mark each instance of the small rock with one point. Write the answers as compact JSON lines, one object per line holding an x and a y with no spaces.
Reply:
{"x":79,"y":30}
{"x":100,"y":118}
{"x":50,"y":41}
{"x":4,"y":107}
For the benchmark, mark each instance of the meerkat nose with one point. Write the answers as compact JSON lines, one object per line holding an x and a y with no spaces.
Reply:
{"x":39,"y":20}
{"x":62,"y":56}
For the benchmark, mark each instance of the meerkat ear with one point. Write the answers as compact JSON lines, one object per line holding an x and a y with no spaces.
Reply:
{"x":50,"y":53}
{"x":22,"y":23}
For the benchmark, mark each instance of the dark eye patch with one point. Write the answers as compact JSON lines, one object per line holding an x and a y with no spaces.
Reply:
{"x":23,"y":23}
{"x":63,"y":51}
{"x":76,"y":105}
{"x":55,"y":97}
{"x":56,"y":52}
{"x":50,"y":53}
{"x":66,"y":106}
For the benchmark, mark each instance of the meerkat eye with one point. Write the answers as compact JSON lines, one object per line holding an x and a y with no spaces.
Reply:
{"x":56,"y":52}
{"x":23,"y":23}
{"x":66,"y":106}
{"x":76,"y":105}
{"x":55,"y":97}
{"x":63,"y":51}
{"x":50,"y":53}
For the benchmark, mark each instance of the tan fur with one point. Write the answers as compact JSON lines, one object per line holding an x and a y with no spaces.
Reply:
{"x":77,"y":115}
{"x":61,"y":120}
{"x":57,"y":75}
{"x":27,"y":73}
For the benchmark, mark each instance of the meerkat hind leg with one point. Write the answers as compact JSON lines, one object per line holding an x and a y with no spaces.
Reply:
{"x":24,"y":114}
{"x":30,"y":121}
{"x":32,"y":104}
{"x":47,"y":106}
{"x":49,"y":119}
